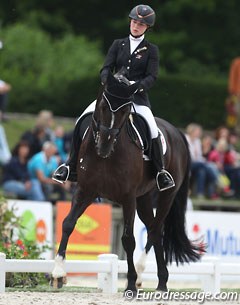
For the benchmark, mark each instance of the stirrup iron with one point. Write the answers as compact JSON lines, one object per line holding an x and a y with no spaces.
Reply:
{"x":169,"y":175}
{"x":61,"y":181}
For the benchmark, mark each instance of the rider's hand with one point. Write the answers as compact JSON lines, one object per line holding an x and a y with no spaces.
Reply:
{"x":139,"y":89}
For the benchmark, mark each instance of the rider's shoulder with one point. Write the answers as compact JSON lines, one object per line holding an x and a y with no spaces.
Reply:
{"x":121,"y":41}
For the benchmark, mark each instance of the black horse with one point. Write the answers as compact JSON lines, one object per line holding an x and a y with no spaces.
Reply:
{"x":111,"y":165}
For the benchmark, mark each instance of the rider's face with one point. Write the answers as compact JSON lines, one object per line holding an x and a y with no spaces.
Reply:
{"x":137,"y":28}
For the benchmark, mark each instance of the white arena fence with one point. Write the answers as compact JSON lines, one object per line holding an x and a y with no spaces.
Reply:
{"x":108,"y":267}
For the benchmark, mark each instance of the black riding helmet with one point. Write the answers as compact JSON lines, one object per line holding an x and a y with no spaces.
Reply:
{"x":144,"y":14}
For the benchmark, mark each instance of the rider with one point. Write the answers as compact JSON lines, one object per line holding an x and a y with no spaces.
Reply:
{"x":141,"y":60}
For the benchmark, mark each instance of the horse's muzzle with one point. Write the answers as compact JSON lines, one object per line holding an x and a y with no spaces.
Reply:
{"x":103,"y":151}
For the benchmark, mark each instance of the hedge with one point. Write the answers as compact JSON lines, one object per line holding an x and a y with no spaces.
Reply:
{"x":177,"y":99}
{"x":182,"y":100}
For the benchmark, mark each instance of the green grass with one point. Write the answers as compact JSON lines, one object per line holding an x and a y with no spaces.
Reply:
{"x":47,"y":288}
{"x":18,"y":124}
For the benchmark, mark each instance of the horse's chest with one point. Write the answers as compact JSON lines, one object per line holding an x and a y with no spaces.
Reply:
{"x":104,"y":176}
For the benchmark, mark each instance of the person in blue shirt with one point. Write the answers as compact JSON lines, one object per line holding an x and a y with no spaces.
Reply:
{"x":40,"y":167}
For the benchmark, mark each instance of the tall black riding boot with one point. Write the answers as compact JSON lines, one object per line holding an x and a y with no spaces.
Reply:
{"x":164,"y":178}
{"x":68,"y":170}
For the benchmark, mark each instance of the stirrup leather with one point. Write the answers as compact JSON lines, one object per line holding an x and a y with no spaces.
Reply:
{"x":169,"y":175}
{"x":55,"y":173}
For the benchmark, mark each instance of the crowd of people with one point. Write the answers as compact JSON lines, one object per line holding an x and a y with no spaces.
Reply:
{"x":215,"y":166}
{"x":27,"y":172}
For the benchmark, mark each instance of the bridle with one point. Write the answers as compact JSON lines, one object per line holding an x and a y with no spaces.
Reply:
{"x":98,"y":127}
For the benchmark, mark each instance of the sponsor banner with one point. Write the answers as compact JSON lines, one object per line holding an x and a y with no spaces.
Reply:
{"x":220,"y":231}
{"x":92,"y":233}
{"x":37,"y":220}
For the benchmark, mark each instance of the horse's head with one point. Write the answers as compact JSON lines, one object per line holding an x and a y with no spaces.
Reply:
{"x":112,"y":109}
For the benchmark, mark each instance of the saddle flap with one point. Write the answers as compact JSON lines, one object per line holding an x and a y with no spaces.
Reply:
{"x":141,"y":129}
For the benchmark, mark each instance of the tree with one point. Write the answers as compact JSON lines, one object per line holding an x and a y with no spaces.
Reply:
{"x":41,"y":70}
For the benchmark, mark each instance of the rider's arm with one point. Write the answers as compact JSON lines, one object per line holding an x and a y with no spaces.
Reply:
{"x":110,"y":61}
{"x":152,"y":69}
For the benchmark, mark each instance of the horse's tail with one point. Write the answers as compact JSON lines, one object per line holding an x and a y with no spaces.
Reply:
{"x":176,"y":244}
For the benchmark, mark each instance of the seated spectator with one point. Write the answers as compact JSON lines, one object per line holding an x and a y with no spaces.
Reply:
{"x":207,"y":145}
{"x":35,"y":138}
{"x":41,"y":167}
{"x":232,"y":169}
{"x":4,"y":90}
{"x":16,"y":179}
{"x":233,"y":144}
{"x":217,"y":157}
{"x":201,"y":171}
{"x":59,"y":142}
{"x":221,"y":132}
{"x":46,"y":120}
{"x":67,"y":141}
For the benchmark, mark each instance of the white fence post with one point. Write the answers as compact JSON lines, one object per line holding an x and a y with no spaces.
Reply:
{"x":211,"y":282}
{"x":2,"y":272}
{"x":107,"y":282}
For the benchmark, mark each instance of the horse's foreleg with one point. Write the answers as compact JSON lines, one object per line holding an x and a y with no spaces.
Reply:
{"x":128,"y":242}
{"x":145,"y":213}
{"x":79,"y":205}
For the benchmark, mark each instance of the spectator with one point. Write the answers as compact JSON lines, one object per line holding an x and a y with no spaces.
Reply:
{"x":232,"y":168}
{"x":201,"y":171}
{"x":45,"y":119}
{"x":221,"y":132}
{"x":207,"y":145}
{"x":59,"y":142}
{"x":16,"y":180}
{"x":4,"y":90}
{"x":233,"y":141}
{"x":41,"y":166}
{"x":67,"y":141}
{"x":217,"y":157}
{"x":35,"y":138}
{"x":5,"y":153}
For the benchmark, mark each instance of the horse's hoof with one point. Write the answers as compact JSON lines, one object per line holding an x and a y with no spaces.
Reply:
{"x":139,"y":285}
{"x":130,"y":294}
{"x":58,"y":283}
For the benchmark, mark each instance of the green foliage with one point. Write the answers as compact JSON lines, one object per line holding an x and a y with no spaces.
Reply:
{"x":50,"y":67}
{"x":16,"y":248}
{"x":185,"y":30}
{"x":183,"y":100}
{"x":41,"y":70}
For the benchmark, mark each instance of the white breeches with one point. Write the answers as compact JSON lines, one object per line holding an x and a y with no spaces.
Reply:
{"x":144,"y":111}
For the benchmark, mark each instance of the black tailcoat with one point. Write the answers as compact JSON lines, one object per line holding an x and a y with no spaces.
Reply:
{"x":142,"y":65}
